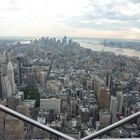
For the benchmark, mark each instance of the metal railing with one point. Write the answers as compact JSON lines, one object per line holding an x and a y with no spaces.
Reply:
{"x":112,"y":126}
{"x":53,"y":131}
{"x":33,"y":122}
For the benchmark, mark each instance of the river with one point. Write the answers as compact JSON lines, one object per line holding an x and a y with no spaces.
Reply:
{"x":95,"y":46}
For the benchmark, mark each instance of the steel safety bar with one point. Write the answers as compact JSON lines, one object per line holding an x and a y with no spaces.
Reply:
{"x":112,"y":126}
{"x":33,"y":122}
{"x":55,"y":132}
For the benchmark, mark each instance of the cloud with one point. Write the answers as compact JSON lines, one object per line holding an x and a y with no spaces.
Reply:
{"x":36,"y":17}
{"x":135,"y":1}
{"x":106,"y":15}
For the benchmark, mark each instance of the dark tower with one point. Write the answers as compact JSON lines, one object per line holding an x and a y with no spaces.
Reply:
{"x":19,"y":70}
{"x":109,"y":83}
{"x":1,"y":94}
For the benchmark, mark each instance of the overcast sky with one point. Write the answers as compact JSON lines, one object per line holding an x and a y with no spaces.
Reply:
{"x":79,"y":18}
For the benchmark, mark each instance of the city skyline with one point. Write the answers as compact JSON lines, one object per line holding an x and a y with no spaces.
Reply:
{"x":79,"y":18}
{"x":69,"y":88}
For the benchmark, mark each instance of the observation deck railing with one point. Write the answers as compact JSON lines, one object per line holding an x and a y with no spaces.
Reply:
{"x":60,"y":134}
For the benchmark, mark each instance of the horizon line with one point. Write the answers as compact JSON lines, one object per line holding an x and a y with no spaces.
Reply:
{"x":34,"y":37}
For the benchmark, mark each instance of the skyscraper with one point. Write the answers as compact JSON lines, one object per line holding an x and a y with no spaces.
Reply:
{"x":104,"y":117}
{"x":104,"y":101}
{"x":10,"y":74}
{"x":1,"y":94}
{"x":120,"y":101}
{"x":19,"y":70}
{"x":113,"y":108}
{"x":109,"y":82}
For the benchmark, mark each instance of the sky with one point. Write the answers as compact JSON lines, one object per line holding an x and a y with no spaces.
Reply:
{"x":75,"y":18}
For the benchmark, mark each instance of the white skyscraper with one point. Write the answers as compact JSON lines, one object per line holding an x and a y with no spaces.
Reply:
{"x":10,"y":74}
{"x":5,"y":57}
{"x":120,"y":100}
{"x":104,"y":117}
{"x":113,"y":108}
{"x":6,"y":87}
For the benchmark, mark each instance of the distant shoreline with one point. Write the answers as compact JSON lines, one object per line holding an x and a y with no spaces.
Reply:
{"x":70,"y":37}
{"x":117,"y":51}
{"x":95,"y":44}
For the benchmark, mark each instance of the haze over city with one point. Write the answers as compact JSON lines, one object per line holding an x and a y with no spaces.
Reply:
{"x":78,"y":18}
{"x":69,"y":69}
